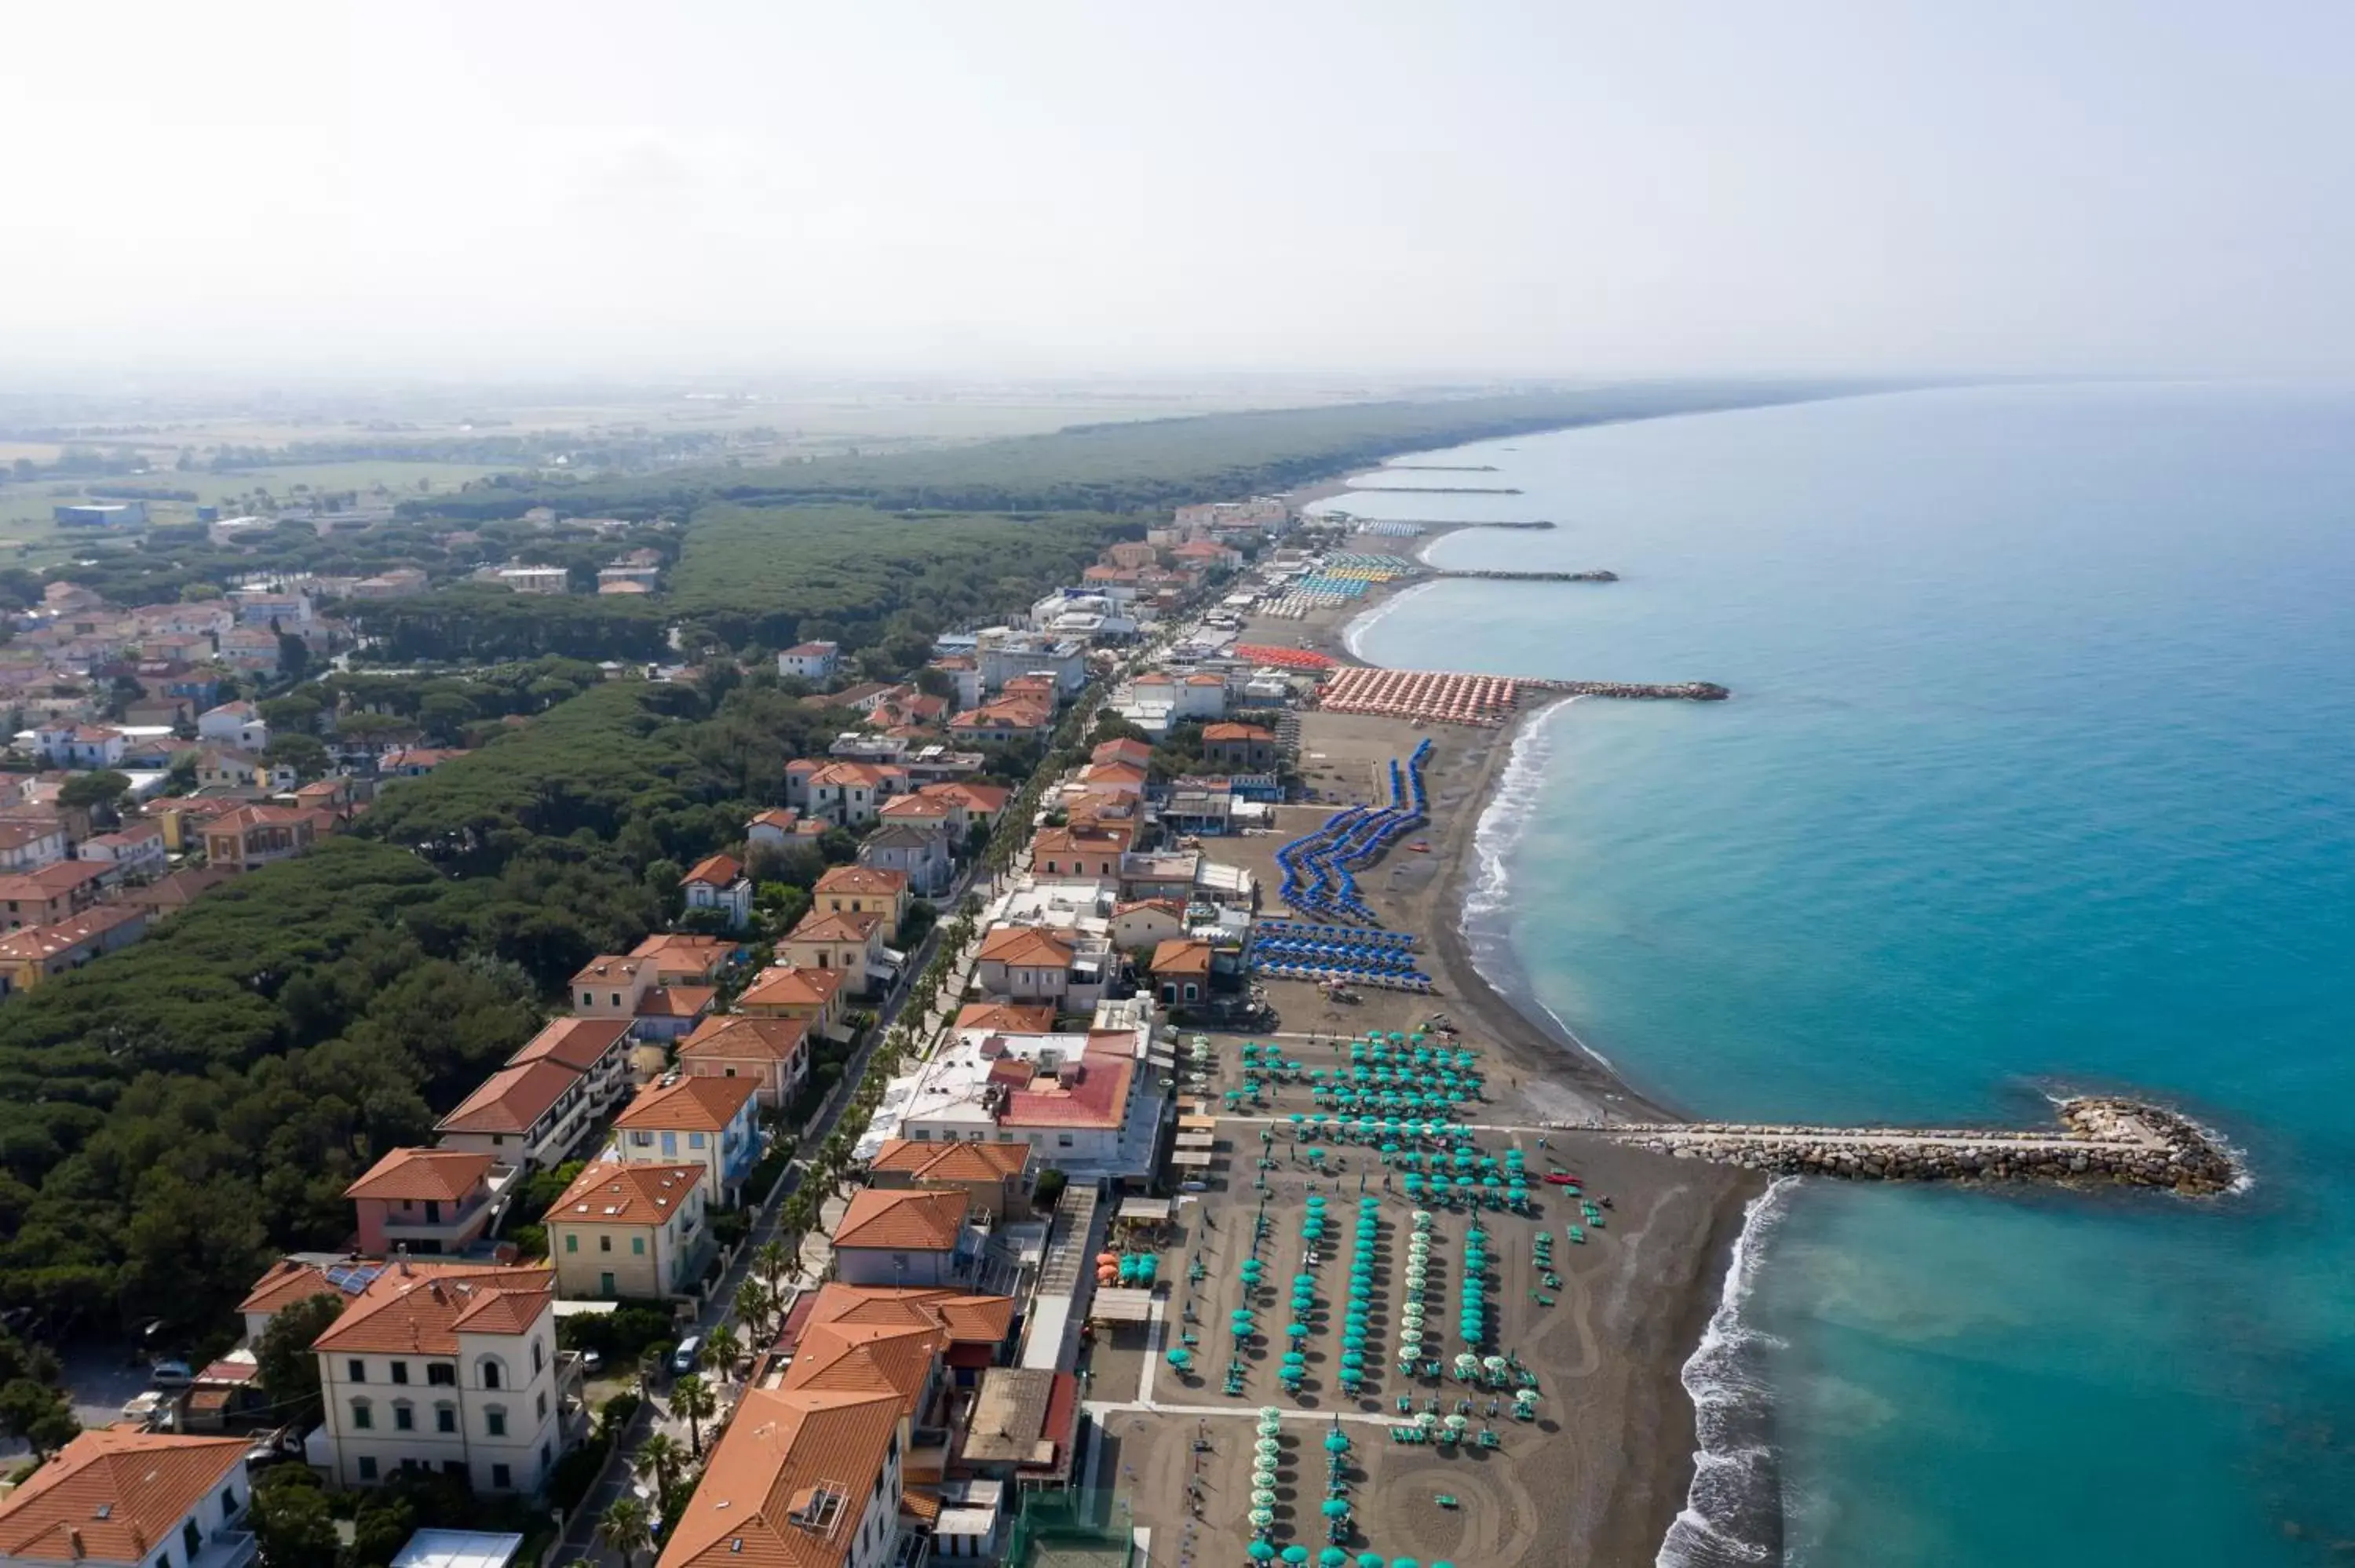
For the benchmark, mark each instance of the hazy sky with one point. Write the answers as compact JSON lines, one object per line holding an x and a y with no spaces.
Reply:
{"x":1453,"y":186}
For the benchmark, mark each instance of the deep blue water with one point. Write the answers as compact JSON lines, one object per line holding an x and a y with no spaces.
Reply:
{"x":2040,"y":773}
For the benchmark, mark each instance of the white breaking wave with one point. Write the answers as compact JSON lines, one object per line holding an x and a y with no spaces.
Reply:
{"x":1507,"y":817}
{"x":1734,"y":1478}
{"x":1356,"y":629}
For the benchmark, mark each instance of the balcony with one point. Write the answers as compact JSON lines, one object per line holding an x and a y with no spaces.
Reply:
{"x":229,"y":1549}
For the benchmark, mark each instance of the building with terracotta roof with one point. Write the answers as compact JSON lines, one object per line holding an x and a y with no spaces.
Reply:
{"x":1006,"y":721}
{"x":1133,"y":753}
{"x":983,"y":803}
{"x":778,"y":827}
{"x":813,"y":662}
{"x":1025,"y":963}
{"x":688,"y":958}
{"x":913,"y":1235}
{"x":629,"y":1230}
{"x":780,"y":990}
{"x":612,"y":985}
{"x":528,"y":1116}
{"x":996,"y":1177}
{"x":718,"y":884}
{"x":433,"y":1201}
{"x":596,"y":1048}
{"x":252,"y":836}
{"x":49,"y":895}
{"x":29,"y":956}
{"x":1181,"y":972}
{"x":1079,"y":854}
{"x":863,"y":889}
{"x":711,"y":1122}
{"x":843,"y":794}
{"x":850,"y":943}
{"x":1240,"y":747}
{"x":772,"y":1052}
{"x":801,"y":1479}
{"x":1148,"y":922}
{"x":451,"y":1370}
{"x":140,"y":1500}
{"x":1007,"y":1017}
{"x":924,"y":852}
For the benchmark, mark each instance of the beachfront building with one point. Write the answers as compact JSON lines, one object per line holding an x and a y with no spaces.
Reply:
{"x":710,"y":1122}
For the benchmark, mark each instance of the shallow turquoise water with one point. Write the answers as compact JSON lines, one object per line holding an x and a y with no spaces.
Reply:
{"x":2040,"y":774}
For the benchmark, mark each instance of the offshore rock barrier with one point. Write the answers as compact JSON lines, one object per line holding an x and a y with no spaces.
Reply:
{"x":2103,"y":1140}
{"x":1596,"y":577}
{"x":1635,"y":691}
{"x":1436,"y":488}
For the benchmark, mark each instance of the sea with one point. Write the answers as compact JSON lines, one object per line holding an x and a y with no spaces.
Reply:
{"x":2037,"y":776}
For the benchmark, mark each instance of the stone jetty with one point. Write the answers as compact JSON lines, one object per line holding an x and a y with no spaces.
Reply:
{"x":1594,"y":577}
{"x":1436,"y":488}
{"x":1634,"y":691}
{"x":2099,"y":1138}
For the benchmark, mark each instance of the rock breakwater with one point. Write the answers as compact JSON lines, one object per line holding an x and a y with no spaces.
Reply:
{"x":1593,"y":576}
{"x":1636,"y":690}
{"x":2100,"y":1139}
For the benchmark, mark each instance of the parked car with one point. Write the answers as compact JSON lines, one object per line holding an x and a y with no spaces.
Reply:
{"x":171,"y":1375}
{"x":593,"y":1361}
{"x":682,"y":1360}
{"x":142,"y":1407}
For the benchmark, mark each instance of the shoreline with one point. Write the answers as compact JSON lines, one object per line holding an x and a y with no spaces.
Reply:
{"x":1658,"y":1432}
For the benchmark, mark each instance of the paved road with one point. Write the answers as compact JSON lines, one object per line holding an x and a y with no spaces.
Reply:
{"x":579,"y":1535}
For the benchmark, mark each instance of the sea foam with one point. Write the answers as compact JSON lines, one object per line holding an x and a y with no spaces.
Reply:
{"x":1733,"y":1512}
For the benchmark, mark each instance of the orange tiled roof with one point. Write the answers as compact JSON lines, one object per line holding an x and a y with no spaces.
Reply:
{"x":114,"y":1496}
{"x":579,"y":1044}
{"x":754,"y":1507}
{"x":447,"y":1175}
{"x":677,"y":953}
{"x":1025,"y":946}
{"x":1007,"y":1017}
{"x":858,"y":1358}
{"x":969,"y":1320}
{"x":988,"y":799}
{"x":719,"y":870}
{"x":679,"y":1001}
{"x":690,"y":1105}
{"x":287,"y":1282}
{"x":960,"y":1162}
{"x":621,"y":1193}
{"x":906,"y":1220}
{"x":730,"y":1037}
{"x":422,"y":1311}
{"x":511,"y":1099}
{"x":846,"y":926}
{"x":1235,"y":732}
{"x":782,"y":985}
{"x":1180,"y":956}
{"x":861,"y":879}
{"x":608,"y":970}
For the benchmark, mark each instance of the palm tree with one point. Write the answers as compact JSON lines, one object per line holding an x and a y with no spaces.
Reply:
{"x":661,"y":1457}
{"x":756,"y":1307}
{"x":721,"y":1351}
{"x":624,"y":1527}
{"x":692,"y":1398}
{"x":771,"y":1262}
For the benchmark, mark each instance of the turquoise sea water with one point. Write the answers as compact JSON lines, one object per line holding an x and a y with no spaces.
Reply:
{"x":2040,"y":774}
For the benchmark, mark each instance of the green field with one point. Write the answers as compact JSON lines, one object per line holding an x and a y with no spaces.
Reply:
{"x":24,"y":509}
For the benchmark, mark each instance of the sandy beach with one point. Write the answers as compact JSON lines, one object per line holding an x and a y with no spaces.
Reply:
{"x":1608,"y":1466}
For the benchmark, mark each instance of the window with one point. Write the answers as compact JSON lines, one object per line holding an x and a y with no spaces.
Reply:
{"x":638,"y":1246}
{"x":493,"y":1372}
{"x":404,"y":1416}
{"x":670,"y":1143}
{"x":446,"y":1418}
{"x":192,"y":1538}
{"x":571,"y":1242}
{"x":362,"y":1418}
{"x":440,"y":1374}
{"x":400,"y":1372}
{"x":355,"y":1370}
{"x":229,"y":1503}
{"x":604,"y":1244}
{"x":502,"y":1479}
{"x":538,"y":1356}
{"x":495,"y":1421}
{"x":1063,"y":1140}
{"x":617,"y":999}
{"x":367,"y":1467}
{"x":695,"y":1140}
{"x":542,"y":1407}
{"x":588,"y":999}
{"x":642,"y":1140}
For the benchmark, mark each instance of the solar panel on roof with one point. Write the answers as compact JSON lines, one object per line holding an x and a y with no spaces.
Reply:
{"x":353,"y":1278}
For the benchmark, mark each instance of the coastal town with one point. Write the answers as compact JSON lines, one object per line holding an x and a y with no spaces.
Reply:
{"x":1075,"y":1164}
